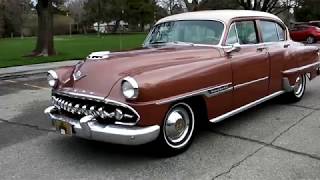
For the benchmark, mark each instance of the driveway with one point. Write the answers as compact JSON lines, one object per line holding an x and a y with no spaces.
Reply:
{"x":272,"y":141}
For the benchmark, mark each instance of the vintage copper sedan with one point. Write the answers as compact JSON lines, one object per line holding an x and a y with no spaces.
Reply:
{"x":194,"y":68}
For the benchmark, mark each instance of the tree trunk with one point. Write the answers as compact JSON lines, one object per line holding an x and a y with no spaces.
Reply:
{"x":116,"y":26}
{"x":45,"y":44}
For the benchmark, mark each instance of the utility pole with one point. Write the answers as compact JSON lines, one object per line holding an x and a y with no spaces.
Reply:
{"x":121,"y":30}
{"x":70,"y":25}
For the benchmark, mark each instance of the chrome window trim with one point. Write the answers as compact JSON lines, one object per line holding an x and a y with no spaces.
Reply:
{"x":227,"y":35}
{"x":205,"y":45}
{"x":250,"y":82}
{"x":101,"y":99}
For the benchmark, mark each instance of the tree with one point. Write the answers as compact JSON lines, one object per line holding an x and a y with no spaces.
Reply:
{"x":308,"y":11}
{"x":214,"y":4}
{"x":77,"y":12}
{"x":192,"y":5}
{"x":14,"y":21}
{"x":99,"y":11}
{"x":272,"y":6}
{"x":1,"y":18}
{"x":45,"y":10}
{"x":139,"y":12}
{"x":11,"y":21}
{"x":172,"y":6}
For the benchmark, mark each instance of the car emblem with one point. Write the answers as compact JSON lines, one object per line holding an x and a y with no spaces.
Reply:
{"x":78,"y":75}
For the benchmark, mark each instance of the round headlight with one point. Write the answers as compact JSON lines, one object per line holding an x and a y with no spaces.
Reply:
{"x":130,"y":88}
{"x":52,"y":78}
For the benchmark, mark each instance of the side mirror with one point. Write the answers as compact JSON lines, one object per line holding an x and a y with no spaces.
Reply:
{"x":235,"y":48}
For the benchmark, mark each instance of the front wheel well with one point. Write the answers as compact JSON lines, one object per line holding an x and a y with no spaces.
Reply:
{"x":199,"y":106}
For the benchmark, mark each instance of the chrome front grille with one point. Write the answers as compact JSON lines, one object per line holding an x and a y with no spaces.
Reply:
{"x":103,"y":111}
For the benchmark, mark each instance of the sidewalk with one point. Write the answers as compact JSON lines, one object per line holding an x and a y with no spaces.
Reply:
{"x":32,"y":69}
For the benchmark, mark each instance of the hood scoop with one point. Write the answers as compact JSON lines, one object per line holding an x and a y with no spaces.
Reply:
{"x":99,"y":55}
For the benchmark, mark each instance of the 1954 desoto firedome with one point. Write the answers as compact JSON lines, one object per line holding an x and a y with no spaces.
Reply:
{"x":193,"y":68}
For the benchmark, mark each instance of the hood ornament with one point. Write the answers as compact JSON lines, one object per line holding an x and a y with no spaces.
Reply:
{"x":78,"y":75}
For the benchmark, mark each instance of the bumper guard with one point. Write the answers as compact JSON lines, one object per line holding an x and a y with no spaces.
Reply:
{"x":88,"y":128}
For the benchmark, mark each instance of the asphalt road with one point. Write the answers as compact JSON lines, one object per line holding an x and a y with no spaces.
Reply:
{"x":272,"y":141}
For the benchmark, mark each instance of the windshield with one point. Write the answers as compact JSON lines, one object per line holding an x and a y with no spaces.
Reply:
{"x":191,"y":31}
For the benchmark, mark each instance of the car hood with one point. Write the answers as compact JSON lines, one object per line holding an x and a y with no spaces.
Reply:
{"x":97,"y":77}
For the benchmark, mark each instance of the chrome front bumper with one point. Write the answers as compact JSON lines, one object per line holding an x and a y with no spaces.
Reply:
{"x":88,"y":128}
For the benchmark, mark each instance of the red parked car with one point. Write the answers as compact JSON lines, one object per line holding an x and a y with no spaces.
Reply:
{"x":310,"y":34}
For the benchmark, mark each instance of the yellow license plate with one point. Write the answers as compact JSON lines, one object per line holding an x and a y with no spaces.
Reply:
{"x":64,"y":127}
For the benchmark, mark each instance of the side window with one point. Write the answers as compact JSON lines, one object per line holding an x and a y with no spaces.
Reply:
{"x":232,"y":36}
{"x":281,"y":33}
{"x":269,"y":31}
{"x":247,"y":33}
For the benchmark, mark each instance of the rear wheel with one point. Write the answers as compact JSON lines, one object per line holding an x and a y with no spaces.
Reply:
{"x":299,"y":89}
{"x":311,"y":40}
{"x":178,"y":129}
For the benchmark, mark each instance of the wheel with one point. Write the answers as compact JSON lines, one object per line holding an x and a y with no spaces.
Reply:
{"x":311,"y":40}
{"x":178,"y":129}
{"x":298,"y":89}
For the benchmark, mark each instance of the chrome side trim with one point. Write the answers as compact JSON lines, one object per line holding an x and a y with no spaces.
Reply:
{"x":101,"y":99}
{"x":208,"y":92}
{"x":302,"y":68}
{"x":245,"y":107}
{"x":250,"y":82}
{"x":218,"y":90}
{"x":88,"y":128}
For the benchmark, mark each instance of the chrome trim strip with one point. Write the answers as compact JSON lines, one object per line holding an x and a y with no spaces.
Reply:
{"x":53,"y":74}
{"x":132,"y":81}
{"x":80,"y":95}
{"x":204,"y":91}
{"x":293,"y":70}
{"x":100,"y":99}
{"x":245,"y":107}
{"x":134,"y":84}
{"x":250,"y":82}
{"x":90,"y":129}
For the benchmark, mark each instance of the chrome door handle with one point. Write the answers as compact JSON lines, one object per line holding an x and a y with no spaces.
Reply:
{"x":261,"y":48}
{"x":286,"y":45}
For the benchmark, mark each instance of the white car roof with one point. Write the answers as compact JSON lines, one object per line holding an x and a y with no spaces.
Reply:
{"x":221,"y":15}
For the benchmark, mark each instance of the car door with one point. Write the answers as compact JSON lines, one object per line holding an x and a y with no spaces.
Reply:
{"x":250,"y":65}
{"x":302,"y":33}
{"x":294,"y":33}
{"x":274,"y":36}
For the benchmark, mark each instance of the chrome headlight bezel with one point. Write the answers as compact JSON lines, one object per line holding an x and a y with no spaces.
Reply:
{"x":52,"y":78}
{"x":130,"y":88}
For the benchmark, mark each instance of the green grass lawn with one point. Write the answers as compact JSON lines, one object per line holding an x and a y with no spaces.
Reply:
{"x":68,"y":48}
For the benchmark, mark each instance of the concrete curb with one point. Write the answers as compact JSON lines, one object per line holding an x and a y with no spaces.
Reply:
{"x":21,"y":71}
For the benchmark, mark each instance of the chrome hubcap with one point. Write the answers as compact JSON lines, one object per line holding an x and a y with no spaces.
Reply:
{"x":179,"y":125}
{"x":310,"y":40}
{"x":299,"y":86}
